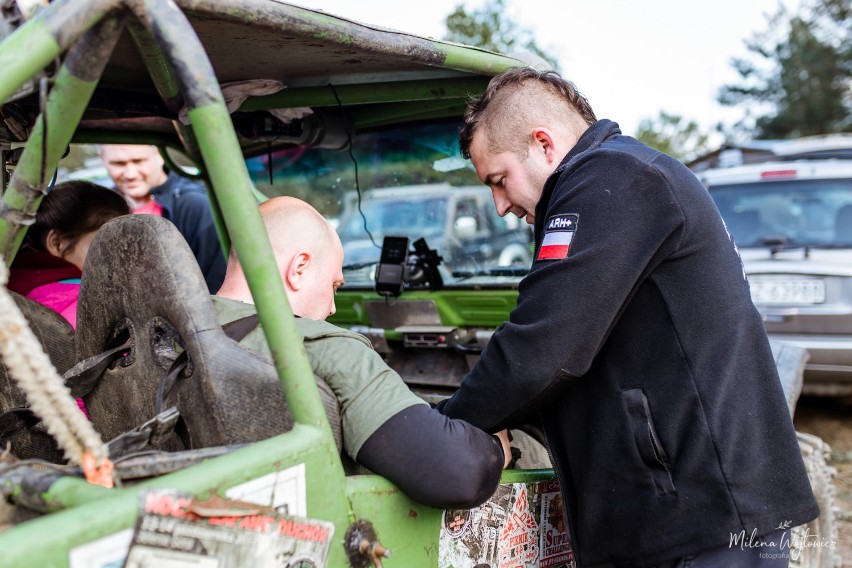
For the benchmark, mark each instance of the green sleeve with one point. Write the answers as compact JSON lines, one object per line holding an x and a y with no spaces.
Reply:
{"x":369,"y":392}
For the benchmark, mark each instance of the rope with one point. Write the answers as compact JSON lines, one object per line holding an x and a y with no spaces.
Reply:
{"x":47,"y":394}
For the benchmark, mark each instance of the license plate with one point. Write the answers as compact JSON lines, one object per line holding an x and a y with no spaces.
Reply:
{"x":770,"y":291}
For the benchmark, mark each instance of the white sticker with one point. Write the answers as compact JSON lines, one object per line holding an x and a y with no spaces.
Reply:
{"x":142,"y":557}
{"x":281,"y":488}
{"x":107,"y":552}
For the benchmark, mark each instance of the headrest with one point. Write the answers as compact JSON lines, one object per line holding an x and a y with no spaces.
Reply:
{"x":142,"y":283}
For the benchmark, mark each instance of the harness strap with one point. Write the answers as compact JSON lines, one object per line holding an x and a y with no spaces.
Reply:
{"x":239,"y":328}
{"x":235,"y":330}
{"x":83,"y":377}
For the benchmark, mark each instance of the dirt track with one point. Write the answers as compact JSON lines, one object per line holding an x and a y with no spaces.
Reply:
{"x":831,"y":420}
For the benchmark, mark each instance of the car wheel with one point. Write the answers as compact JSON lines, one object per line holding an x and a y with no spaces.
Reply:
{"x":815,"y":454}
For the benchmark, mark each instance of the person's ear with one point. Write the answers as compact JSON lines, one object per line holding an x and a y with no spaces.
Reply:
{"x":297,"y":270}
{"x":543,"y":141}
{"x":53,"y":243}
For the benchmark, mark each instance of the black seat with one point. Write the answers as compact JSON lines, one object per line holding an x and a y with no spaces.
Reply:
{"x":25,"y":434}
{"x":142,"y":284}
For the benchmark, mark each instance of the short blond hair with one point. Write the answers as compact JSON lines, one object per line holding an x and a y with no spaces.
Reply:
{"x":514,"y":102}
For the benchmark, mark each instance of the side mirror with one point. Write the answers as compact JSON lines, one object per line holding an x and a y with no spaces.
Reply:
{"x":465,"y":228}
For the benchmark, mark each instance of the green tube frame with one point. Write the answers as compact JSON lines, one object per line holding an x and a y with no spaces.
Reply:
{"x":93,"y":512}
{"x":74,"y":85}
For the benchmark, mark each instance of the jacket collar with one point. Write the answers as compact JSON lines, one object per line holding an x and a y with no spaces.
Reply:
{"x":166,"y":186}
{"x":592,"y":138}
{"x":165,"y":194}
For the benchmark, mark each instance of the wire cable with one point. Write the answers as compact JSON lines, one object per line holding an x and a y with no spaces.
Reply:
{"x":354,"y":161}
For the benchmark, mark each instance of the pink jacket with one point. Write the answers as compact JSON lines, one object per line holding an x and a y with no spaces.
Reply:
{"x":61,"y":297}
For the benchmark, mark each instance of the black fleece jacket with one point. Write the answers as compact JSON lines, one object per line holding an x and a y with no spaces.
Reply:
{"x":185,"y":204}
{"x":640,"y":349}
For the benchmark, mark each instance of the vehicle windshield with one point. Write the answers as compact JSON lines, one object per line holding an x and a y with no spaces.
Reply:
{"x":787,"y":213}
{"x":403,"y":216}
{"x":411,"y":182}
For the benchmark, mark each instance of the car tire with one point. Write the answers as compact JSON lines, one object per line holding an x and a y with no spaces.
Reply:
{"x":823,"y":529}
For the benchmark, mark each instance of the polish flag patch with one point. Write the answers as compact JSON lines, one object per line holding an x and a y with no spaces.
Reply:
{"x":558,"y":233}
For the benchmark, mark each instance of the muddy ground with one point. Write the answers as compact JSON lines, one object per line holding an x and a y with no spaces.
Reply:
{"x":831,"y":420}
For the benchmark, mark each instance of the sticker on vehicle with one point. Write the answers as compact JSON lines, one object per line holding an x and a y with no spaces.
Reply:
{"x":285,"y":488}
{"x":522,"y":524}
{"x":107,"y":552}
{"x":176,"y":530}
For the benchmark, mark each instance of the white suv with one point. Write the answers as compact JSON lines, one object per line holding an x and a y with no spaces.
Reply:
{"x":791,"y":217}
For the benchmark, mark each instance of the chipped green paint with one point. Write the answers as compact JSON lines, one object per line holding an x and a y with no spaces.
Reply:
{"x":456,"y":307}
{"x":306,"y":23}
{"x":158,"y":66}
{"x":41,"y":48}
{"x":479,"y":61}
{"x":53,"y":131}
{"x":95,"y":513}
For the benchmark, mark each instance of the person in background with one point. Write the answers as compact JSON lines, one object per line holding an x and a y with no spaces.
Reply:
{"x":388,"y":429}
{"x":634,"y":340}
{"x":66,"y":222}
{"x":139,"y":174}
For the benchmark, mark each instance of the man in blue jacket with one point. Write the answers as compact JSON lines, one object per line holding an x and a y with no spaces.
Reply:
{"x":138,"y":173}
{"x":634,"y":341}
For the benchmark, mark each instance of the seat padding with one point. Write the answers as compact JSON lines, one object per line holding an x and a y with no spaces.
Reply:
{"x":57,"y":340}
{"x":142,"y":282}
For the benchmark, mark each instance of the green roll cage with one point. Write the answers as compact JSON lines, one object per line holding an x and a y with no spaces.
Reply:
{"x":91,"y":48}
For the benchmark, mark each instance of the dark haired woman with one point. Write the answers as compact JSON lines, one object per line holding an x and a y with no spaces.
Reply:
{"x":66,"y":223}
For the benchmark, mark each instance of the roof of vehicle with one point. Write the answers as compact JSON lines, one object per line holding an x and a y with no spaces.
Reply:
{"x":778,"y":171}
{"x":372,"y":75}
{"x":827,"y":146}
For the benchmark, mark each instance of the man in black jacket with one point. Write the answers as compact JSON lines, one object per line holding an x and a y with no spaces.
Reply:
{"x":634,"y":341}
{"x":138,"y":173}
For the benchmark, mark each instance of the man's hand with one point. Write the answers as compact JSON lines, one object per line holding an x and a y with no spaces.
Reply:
{"x":503,"y":436}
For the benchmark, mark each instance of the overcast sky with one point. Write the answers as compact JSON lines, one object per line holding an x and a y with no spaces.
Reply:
{"x":631,"y":58}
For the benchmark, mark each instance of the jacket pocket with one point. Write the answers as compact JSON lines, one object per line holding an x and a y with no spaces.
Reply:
{"x":647,"y":441}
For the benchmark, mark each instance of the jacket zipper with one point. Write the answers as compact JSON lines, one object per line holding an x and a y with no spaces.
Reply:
{"x":658,"y":449}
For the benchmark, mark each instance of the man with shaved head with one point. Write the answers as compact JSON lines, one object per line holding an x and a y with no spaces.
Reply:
{"x":436,"y":460}
{"x":634,"y":341}
{"x":309,"y":257}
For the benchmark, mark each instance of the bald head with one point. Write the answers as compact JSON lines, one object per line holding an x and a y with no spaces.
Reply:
{"x":308,"y":253}
{"x":293,"y":225}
